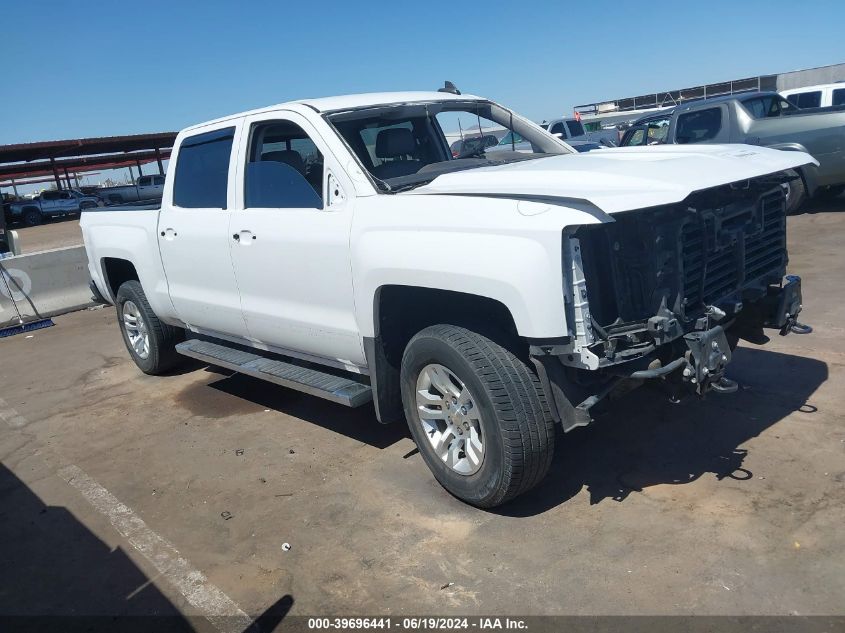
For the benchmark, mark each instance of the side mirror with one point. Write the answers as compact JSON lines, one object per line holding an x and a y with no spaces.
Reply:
{"x":558,"y":134}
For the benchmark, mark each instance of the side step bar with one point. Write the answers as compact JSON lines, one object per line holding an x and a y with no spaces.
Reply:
{"x":311,"y":381}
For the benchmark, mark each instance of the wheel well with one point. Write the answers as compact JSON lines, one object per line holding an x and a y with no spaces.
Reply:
{"x":402,"y":311}
{"x":30,"y":208}
{"x":118,"y":271}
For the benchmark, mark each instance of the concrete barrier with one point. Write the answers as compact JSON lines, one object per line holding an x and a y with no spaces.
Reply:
{"x":44,"y":284}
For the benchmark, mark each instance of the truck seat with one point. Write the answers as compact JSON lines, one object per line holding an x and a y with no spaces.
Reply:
{"x":396,"y":144}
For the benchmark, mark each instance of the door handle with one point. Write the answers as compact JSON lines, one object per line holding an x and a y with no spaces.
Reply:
{"x":243,"y":237}
{"x":169,"y":234}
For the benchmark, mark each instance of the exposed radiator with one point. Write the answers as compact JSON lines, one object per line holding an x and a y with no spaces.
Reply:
{"x":725,"y":249}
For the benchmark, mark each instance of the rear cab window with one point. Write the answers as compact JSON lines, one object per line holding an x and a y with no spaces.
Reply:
{"x":202,"y":170}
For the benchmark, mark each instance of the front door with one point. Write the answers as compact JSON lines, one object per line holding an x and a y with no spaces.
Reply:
{"x":193,"y":234}
{"x":289,"y":240}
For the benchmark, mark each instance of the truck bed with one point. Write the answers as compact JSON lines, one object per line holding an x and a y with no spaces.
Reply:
{"x":143,"y":205}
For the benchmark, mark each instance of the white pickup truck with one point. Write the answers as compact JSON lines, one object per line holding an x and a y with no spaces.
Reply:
{"x":335,"y":246}
{"x":574,"y":130}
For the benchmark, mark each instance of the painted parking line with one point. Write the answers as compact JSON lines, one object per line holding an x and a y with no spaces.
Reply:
{"x":210,"y":601}
{"x":215,"y":605}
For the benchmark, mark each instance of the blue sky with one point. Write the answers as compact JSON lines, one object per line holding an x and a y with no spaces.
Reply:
{"x":77,"y":69}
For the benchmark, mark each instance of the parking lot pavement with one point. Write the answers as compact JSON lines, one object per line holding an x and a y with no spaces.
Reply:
{"x":57,"y":233}
{"x":734,"y":505}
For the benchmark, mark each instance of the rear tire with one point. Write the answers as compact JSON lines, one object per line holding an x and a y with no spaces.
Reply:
{"x":504,"y":412}
{"x":151,"y":343}
{"x":32,"y":217}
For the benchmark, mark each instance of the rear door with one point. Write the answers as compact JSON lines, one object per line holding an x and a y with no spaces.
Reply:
{"x":69,"y":203}
{"x":193,"y":232}
{"x":289,"y":239}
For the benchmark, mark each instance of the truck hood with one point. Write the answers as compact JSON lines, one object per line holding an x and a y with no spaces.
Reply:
{"x":620,"y":179}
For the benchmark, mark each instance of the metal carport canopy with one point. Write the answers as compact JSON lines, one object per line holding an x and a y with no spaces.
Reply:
{"x":23,"y":160}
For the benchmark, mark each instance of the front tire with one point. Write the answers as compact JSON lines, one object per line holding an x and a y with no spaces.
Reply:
{"x":477,"y":414}
{"x":151,"y":343}
{"x":32,"y":217}
{"x":796,"y":193}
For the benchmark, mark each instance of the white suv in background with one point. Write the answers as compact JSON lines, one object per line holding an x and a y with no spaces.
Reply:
{"x":820,"y":96}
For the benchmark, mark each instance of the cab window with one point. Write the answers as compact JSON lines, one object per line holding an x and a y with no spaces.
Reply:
{"x":557,"y":128}
{"x":811,"y":99}
{"x":699,"y":126}
{"x":634,"y":137}
{"x":285,"y":168}
{"x":657,"y":132}
{"x":202,"y":170}
{"x":511,"y":138}
{"x":575,"y":128}
{"x":762,"y":107}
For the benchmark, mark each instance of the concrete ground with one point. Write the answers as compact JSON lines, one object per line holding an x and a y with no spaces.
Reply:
{"x":734,"y":505}
{"x":57,"y":233}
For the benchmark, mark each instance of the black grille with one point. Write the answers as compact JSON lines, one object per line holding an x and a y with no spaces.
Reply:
{"x":728,"y":249}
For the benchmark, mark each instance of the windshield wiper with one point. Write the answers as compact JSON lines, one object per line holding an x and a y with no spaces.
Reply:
{"x":411,"y":185}
{"x":381,"y":184}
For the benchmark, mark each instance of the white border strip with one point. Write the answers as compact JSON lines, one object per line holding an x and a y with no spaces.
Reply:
{"x":215,"y":605}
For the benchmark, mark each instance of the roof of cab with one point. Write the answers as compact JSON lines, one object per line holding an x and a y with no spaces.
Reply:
{"x":737,"y":96}
{"x":349,"y":102}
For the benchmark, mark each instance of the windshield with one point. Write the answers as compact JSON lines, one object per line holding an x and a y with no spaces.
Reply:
{"x":412,"y":144}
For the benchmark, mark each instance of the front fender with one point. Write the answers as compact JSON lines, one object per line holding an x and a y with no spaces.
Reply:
{"x":529,"y":287}
{"x":482,"y":247}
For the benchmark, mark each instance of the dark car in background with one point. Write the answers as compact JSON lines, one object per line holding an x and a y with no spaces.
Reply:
{"x":470,"y":145}
{"x":51,"y":204}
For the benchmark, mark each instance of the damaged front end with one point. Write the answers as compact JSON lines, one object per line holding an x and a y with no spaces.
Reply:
{"x":666,"y":292}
